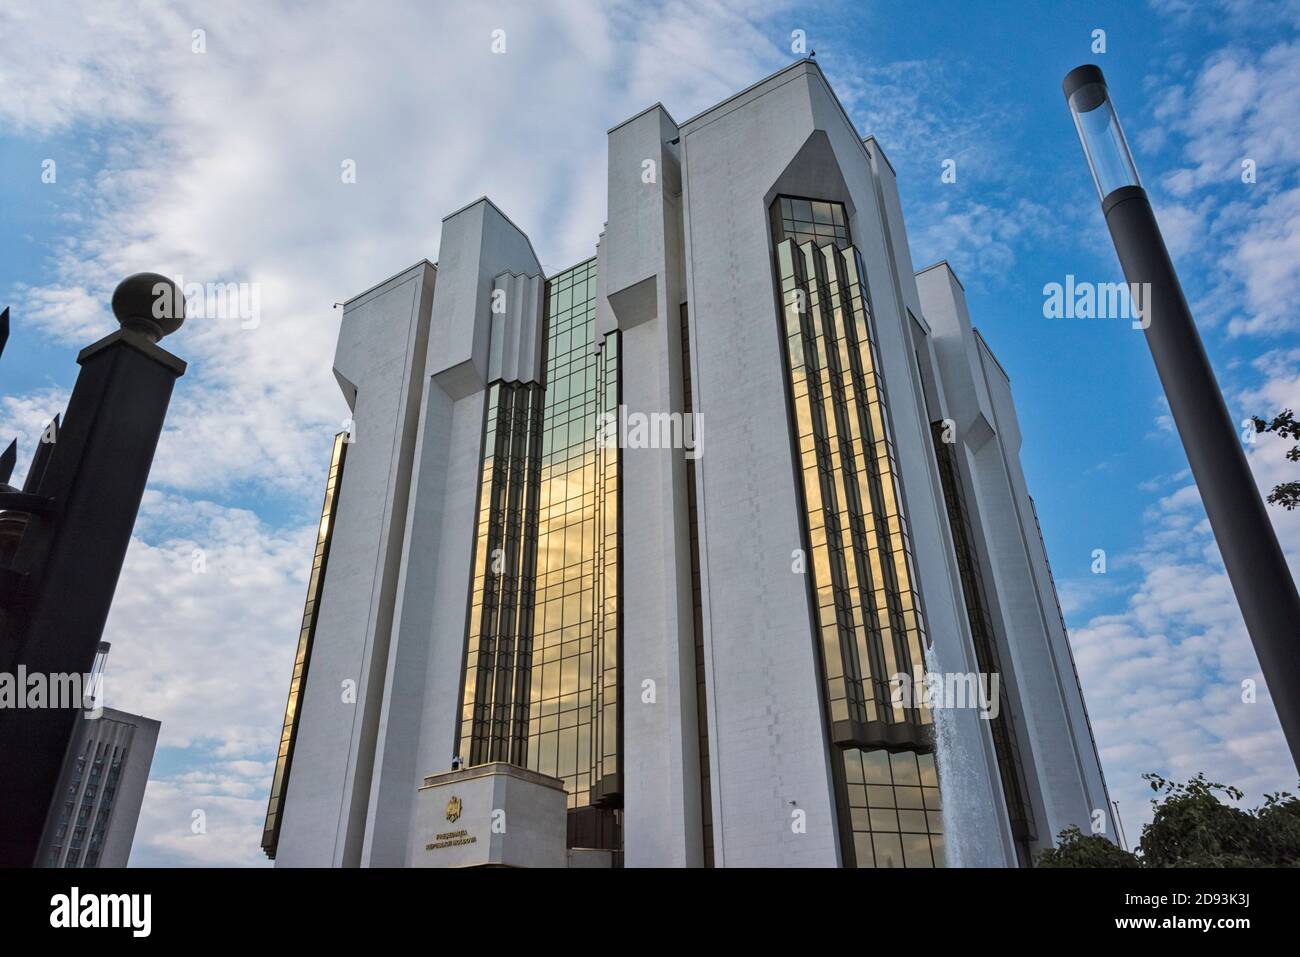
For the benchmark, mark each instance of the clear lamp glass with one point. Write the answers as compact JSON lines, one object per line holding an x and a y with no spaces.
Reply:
{"x":1103,"y":140}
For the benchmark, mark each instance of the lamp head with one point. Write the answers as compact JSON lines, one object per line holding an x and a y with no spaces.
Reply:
{"x":1104,"y":144}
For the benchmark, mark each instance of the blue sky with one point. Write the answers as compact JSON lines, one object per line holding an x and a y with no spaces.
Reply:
{"x":224,"y":166}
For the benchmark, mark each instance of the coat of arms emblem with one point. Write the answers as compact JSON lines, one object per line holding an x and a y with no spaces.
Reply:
{"x":453,"y":809}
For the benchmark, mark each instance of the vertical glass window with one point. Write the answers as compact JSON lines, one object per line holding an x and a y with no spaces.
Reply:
{"x":697,"y":610}
{"x":316,"y":582}
{"x":868,"y":618}
{"x":494,"y":717}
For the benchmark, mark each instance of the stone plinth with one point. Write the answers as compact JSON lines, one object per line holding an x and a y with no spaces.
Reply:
{"x":490,"y":815}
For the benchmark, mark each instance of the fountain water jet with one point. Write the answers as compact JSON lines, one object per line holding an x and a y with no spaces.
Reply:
{"x":972,"y":811}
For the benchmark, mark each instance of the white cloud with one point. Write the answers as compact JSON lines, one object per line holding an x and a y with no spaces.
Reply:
{"x":205,"y":621}
{"x":916,"y":110}
{"x":71,"y":313}
{"x":210,"y":817}
{"x":1233,"y":14}
{"x":225,"y":167}
{"x":204,"y":627}
{"x":1242,"y":105}
{"x":980,"y":241}
{"x":1266,"y":262}
{"x":1183,"y":227}
{"x":921,"y":114}
{"x":25,"y":418}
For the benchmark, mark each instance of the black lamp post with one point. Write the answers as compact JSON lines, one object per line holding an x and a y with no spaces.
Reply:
{"x":1256,"y":566}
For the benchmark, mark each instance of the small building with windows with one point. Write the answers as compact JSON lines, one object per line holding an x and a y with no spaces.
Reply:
{"x":93,"y":818}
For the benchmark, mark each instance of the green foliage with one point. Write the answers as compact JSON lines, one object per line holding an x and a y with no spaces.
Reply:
{"x":1279,"y":820}
{"x":1286,"y":494}
{"x":1077,"y":849}
{"x":1192,"y":827}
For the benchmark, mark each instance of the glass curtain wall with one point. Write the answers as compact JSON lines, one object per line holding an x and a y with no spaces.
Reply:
{"x":543,"y":651}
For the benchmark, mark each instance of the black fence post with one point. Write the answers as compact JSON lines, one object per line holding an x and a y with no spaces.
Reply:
{"x":62,"y":563}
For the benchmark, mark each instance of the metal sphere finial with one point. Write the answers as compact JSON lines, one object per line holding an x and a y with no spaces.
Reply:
{"x":150,"y":304}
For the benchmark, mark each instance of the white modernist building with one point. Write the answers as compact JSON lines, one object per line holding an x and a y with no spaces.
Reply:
{"x":687,"y":531}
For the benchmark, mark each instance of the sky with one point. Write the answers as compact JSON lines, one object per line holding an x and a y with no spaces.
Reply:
{"x":217,"y":156}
